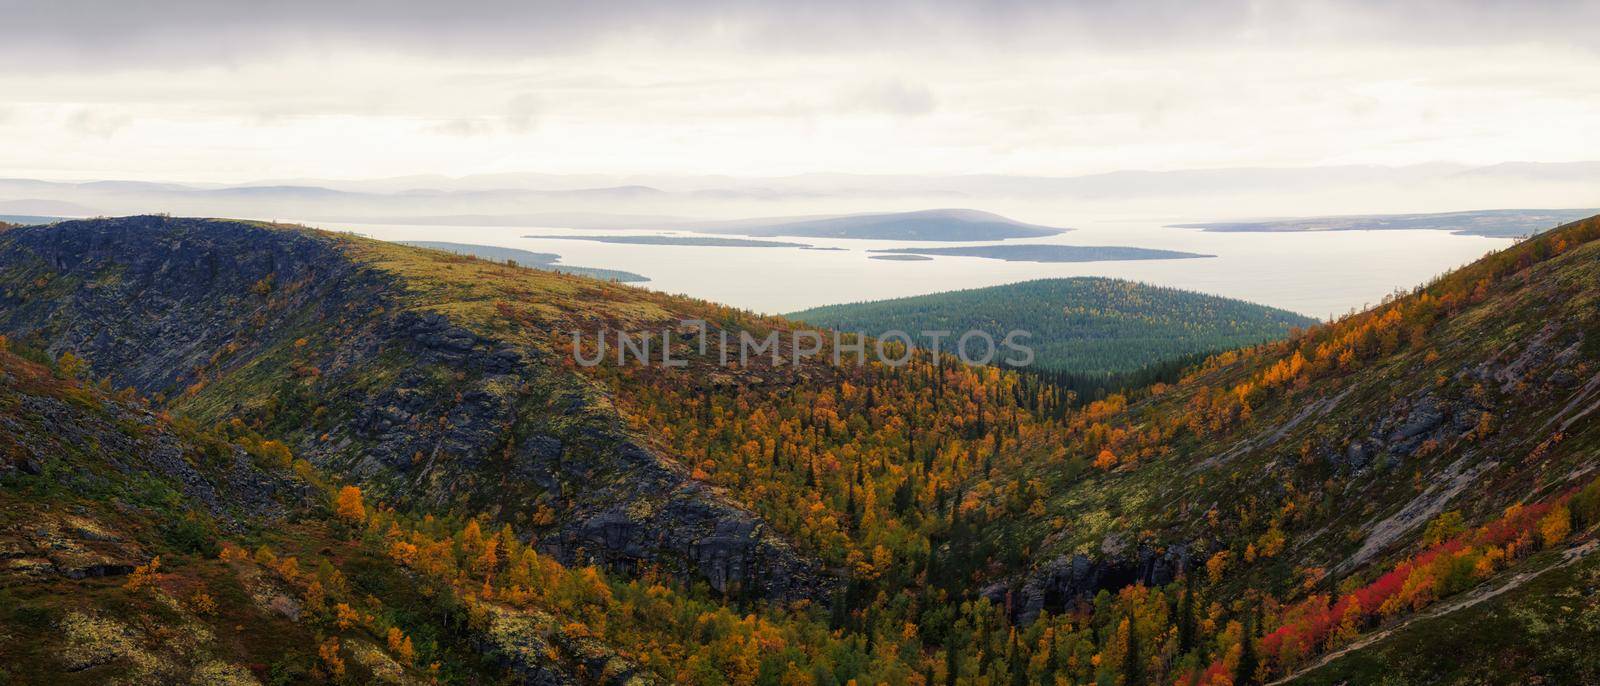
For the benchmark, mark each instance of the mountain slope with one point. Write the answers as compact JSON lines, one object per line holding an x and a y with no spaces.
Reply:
{"x":342,"y":347}
{"x":138,"y":549}
{"x":913,"y":524}
{"x":1086,"y":324}
{"x":1335,"y":464}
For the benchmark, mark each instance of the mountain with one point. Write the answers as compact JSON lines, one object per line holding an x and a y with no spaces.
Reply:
{"x":140,"y":548}
{"x":926,"y":225}
{"x":1086,"y":325}
{"x":1420,"y":457}
{"x":343,"y":347}
{"x":1362,"y":490}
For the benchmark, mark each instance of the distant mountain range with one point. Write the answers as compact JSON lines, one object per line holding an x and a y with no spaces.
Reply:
{"x":815,"y":201}
{"x":1497,"y":223}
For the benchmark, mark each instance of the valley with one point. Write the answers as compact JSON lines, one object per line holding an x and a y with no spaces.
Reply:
{"x":409,"y":425}
{"x":731,"y":343}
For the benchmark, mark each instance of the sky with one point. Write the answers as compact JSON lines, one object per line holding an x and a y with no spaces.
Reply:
{"x":209,"y":91}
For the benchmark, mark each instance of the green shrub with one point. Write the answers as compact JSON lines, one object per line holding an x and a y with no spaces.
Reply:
{"x":190,"y":535}
{"x":1586,"y":505}
{"x":33,"y":617}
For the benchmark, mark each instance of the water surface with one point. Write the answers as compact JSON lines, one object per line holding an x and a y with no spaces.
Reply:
{"x":1314,"y":273}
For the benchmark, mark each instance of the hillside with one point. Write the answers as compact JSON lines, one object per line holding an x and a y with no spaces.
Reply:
{"x":139,"y":549}
{"x":1334,"y":483}
{"x":342,"y":348}
{"x":819,"y":524}
{"x":1086,"y":325}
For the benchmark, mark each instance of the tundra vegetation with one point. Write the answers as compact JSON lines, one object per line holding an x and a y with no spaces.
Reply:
{"x":236,"y":452}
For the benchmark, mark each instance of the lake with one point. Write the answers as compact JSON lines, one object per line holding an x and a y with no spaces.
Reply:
{"x":1314,"y":273}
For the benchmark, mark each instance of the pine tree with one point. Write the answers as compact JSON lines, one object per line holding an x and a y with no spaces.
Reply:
{"x":1186,"y":618}
{"x":1248,"y":662}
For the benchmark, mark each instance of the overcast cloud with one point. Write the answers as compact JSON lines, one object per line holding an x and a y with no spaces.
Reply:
{"x":199,"y":90}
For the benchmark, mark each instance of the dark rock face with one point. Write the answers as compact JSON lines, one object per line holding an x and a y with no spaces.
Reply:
{"x":420,"y":410}
{"x":1404,"y":429}
{"x":1064,"y":581}
{"x":1356,"y":456}
{"x":1423,"y":418}
{"x":150,"y":299}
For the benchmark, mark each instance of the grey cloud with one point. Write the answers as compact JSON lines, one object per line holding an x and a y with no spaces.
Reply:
{"x":109,"y":33}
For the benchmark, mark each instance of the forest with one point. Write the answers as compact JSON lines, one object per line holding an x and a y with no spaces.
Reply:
{"x":1083,"y":325}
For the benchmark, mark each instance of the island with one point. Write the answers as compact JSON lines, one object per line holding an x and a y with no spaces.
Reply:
{"x":1048,"y":253}
{"x":699,"y":241}
{"x":1490,"y":223}
{"x":535,"y":260}
{"x":922,"y":225}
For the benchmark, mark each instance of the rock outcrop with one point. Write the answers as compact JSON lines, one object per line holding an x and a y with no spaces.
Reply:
{"x":1064,"y":581}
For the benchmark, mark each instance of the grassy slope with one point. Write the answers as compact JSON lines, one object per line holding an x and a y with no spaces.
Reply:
{"x":98,"y":504}
{"x":1085,"y":325}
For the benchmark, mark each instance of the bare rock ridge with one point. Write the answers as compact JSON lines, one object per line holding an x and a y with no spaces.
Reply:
{"x":285,"y":327}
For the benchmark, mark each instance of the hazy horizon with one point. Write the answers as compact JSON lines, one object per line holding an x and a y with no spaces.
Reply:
{"x":217,"y":92}
{"x":484,"y":118}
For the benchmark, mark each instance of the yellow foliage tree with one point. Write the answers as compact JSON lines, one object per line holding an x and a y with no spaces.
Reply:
{"x":329,"y":652}
{"x":143,"y":575}
{"x":348,"y":505}
{"x":70,"y":365}
{"x":1555,"y":526}
{"x":400,"y":645}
